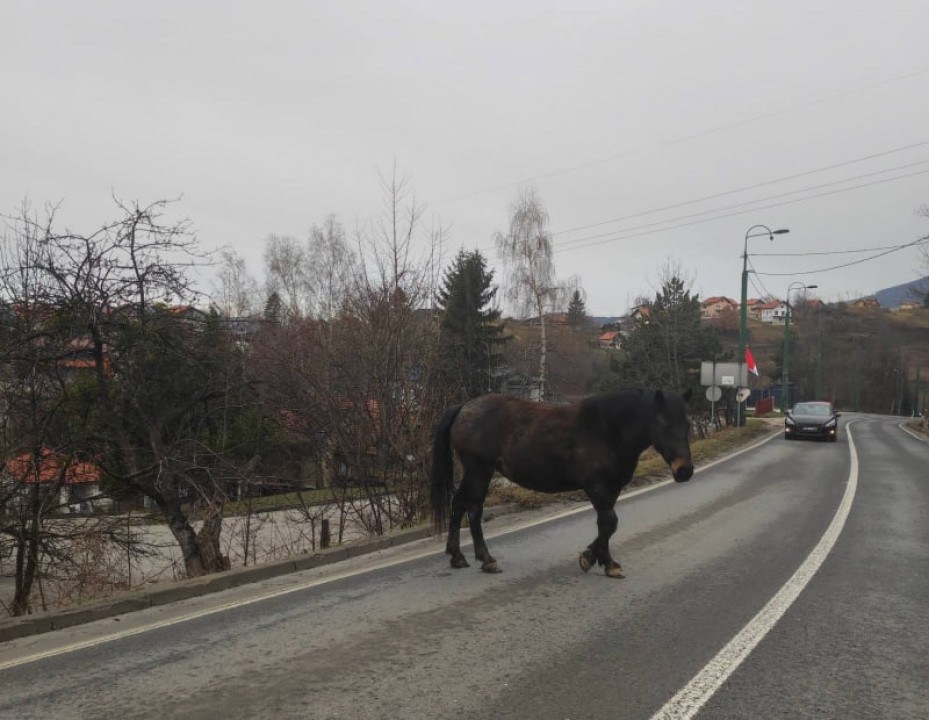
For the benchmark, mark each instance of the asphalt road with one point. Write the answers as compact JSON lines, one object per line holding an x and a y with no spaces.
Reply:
{"x":402,"y":635}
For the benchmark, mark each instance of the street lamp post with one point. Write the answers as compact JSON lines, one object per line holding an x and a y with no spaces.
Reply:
{"x":785,"y":390}
{"x":819,"y":351}
{"x":743,"y":307}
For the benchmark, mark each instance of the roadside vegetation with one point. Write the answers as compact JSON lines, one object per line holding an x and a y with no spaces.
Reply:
{"x":131,"y":398}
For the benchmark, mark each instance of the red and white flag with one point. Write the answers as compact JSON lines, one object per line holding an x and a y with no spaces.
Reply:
{"x":750,"y":361}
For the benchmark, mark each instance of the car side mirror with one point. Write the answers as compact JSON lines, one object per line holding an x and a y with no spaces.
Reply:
{"x":838,"y":414}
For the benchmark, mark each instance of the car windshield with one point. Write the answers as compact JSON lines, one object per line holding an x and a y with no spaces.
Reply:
{"x":811,"y":409}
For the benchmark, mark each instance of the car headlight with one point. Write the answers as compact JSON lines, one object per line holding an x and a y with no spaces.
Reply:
{"x":831,"y":423}
{"x":789,"y":421}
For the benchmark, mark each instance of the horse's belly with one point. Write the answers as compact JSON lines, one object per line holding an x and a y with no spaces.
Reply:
{"x":544,"y":477}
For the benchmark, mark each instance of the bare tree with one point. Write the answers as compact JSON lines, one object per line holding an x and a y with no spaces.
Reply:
{"x":156,"y":394}
{"x":286,"y":274}
{"x":235,"y":292}
{"x":47,"y":441}
{"x":331,"y":267}
{"x":526,"y":249}
{"x":361,"y":390}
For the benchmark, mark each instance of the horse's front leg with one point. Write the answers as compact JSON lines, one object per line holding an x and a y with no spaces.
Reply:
{"x":599,"y":550}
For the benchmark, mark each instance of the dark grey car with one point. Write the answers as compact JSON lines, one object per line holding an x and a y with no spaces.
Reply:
{"x":813,"y":420}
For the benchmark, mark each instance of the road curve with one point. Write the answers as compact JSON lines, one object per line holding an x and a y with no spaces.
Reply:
{"x":416,"y":639}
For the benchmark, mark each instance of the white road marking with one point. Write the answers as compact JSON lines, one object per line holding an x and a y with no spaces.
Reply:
{"x":110,"y":637}
{"x":911,"y":433}
{"x":689,"y":699}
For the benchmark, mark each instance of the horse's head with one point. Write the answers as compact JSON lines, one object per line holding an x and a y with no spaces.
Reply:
{"x":671,"y":433}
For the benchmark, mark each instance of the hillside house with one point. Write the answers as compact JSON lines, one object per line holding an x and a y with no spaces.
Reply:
{"x":868,"y":302}
{"x":76,"y":483}
{"x":773,"y":312}
{"x":753,"y":308}
{"x":610,"y":340}
{"x":640,"y":313}
{"x":715,"y":306}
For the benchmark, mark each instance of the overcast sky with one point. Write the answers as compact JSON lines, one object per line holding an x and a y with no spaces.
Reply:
{"x":653,"y":131}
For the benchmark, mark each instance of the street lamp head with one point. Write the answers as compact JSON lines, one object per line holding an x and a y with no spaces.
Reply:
{"x":798,"y":285}
{"x":767,"y":231}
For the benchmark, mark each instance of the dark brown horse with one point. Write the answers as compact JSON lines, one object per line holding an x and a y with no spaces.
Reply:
{"x":593,"y":446}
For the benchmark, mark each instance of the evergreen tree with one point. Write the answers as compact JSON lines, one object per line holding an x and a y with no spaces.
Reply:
{"x":274,"y":308}
{"x":666,"y":349}
{"x":577,"y":310}
{"x":471,"y":331}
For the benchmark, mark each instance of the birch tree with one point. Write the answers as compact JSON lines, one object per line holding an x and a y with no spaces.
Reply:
{"x":526,"y":249}
{"x":235,"y":291}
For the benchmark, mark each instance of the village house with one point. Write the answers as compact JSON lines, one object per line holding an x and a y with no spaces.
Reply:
{"x":715,"y":306}
{"x":610,"y":340}
{"x":640,"y":313}
{"x":753,"y":308}
{"x":868,"y":302}
{"x":773,"y":312}
{"x":74,"y":484}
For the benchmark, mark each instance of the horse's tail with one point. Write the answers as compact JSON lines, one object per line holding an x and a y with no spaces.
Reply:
{"x":443,"y":469}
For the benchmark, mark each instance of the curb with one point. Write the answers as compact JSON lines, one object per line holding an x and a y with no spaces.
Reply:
{"x":152,"y":596}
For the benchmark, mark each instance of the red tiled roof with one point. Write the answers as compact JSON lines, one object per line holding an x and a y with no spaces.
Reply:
{"x":770,"y":305}
{"x":719,"y":299}
{"x":51,"y":464}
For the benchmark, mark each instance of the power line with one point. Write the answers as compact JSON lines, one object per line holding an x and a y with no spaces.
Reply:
{"x":566,"y":244}
{"x":898,"y":248}
{"x":628,"y":236}
{"x":746,"y":188}
{"x":829,"y":252}
{"x":767,"y":293}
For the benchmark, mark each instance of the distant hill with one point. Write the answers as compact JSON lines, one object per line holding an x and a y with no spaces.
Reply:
{"x":908,"y":292}
{"x":601,"y":320}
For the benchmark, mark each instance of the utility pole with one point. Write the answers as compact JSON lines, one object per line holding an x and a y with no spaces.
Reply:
{"x":917,"y":406}
{"x":857,"y":377}
{"x":743,"y":307}
{"x":819,"y":352}
{"x":785,"y":375}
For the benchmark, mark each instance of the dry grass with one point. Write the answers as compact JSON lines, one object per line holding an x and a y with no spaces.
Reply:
{"x":651,"y":467}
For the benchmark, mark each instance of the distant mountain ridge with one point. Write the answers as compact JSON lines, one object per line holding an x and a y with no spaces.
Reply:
{"x":907,"y":292}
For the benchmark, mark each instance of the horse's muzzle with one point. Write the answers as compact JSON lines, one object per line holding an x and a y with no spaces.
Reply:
{"x":682,"y":470}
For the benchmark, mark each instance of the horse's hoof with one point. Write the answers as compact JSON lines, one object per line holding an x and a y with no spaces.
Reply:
{"x":459,"y":562}
{"x":490,"y":567}
{"x":586,"y":560}
{"x":614,"y":570}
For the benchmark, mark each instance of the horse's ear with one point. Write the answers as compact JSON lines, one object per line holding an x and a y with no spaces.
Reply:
{"x":687,"y":394}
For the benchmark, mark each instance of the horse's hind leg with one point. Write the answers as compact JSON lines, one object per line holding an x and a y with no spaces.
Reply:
{"x":453,"y":546}
{"x":599,"y":550}
{"x":477,"y":481}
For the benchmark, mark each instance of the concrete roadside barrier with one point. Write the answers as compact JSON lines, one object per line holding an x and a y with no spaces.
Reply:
{"x":163,"y":594}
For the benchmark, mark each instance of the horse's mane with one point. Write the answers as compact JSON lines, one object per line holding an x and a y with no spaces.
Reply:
{"x":610,"y":411}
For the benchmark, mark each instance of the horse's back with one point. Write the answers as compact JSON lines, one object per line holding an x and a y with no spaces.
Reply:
{"x":531,"y":443}
{"x":483,"y":422}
